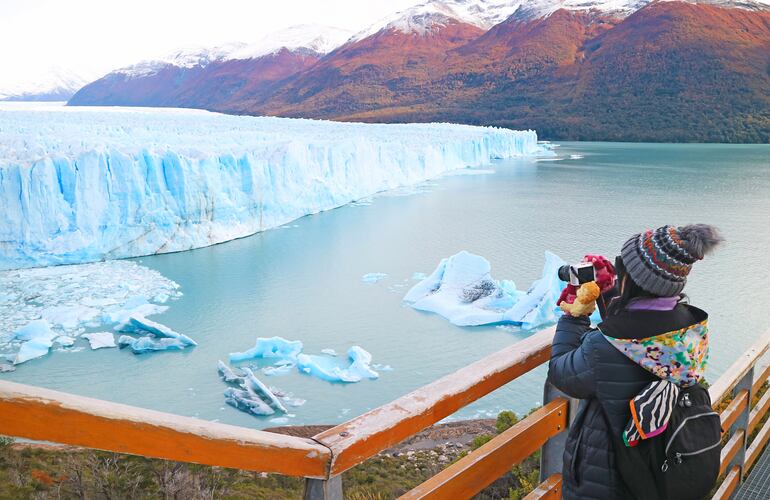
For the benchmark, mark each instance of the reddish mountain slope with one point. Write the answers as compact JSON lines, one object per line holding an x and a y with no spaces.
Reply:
{"x":387,"y":68}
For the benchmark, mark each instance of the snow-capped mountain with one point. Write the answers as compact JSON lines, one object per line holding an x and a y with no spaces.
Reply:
{"x":425,"y":17}
{"x":308,"y":38}
{"x":54,"y":84}
{"x":208,"y":77}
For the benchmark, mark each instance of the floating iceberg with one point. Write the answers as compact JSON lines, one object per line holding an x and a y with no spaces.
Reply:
{"x":100,"y":340}
{"x":273,"y":347}
{"x":37,"y":339}
{"x":245,"y":401}
{"x":462,"y":290}
{"x":253,"y":396}
{"x":227,"y":374}
{"x":65,"y":341}
{"x":150,"y":343}
{"x":82,"y":185}
{"x":329,"y":352}
{"x":329,"y":369}
{"x":255,"y":386}
{"x":139,"y":325}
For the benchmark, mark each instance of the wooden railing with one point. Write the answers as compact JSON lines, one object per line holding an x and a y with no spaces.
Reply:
{"x":41,"y":414}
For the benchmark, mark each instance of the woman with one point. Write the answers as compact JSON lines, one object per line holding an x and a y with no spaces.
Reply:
{"x":639,"y":342}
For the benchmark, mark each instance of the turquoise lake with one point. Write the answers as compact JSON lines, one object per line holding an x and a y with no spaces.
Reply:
{"x":303,"y":282}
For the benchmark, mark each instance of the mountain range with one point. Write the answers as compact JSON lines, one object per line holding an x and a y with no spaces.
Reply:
{"x":575,"y":69}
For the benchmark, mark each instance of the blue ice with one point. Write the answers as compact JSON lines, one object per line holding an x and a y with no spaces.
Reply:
{"x":37,"y":339}
{"x":329,"y":369}
{"x":272,"y":347}
{"x":102,"y":184}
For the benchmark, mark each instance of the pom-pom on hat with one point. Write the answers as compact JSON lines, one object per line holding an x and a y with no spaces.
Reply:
{"x":660,"y":260}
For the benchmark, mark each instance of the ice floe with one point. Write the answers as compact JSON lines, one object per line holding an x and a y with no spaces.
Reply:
{"x":36,"y":340}
{"x":330,"y":369}
{"x":273,"y":347}
{"x":462,"y":290}
{"x":100,"y":340}
{"x":252,"y":395}
{"x":72,"y":299}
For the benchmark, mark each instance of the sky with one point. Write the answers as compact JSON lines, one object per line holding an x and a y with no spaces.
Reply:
{"x":93,"y":37}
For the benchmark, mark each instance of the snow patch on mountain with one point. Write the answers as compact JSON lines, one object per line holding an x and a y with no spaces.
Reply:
{"x":310,"y":38}
{"x":51,"y":84}
{"x":427,"y":17}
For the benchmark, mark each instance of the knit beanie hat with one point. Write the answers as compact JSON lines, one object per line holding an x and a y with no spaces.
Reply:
{"x":660,"y":260}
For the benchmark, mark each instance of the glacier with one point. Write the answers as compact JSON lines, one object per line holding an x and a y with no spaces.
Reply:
{"x":462,"y":290}
{"x":90,"y":184}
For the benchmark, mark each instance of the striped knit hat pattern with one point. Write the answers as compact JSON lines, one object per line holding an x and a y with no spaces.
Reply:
{"x":660,"y":260}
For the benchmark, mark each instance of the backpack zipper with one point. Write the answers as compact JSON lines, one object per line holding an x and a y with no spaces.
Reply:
{"x":678,"y":456}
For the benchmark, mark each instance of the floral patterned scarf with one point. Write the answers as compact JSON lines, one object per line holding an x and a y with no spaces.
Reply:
{"x":679,"y":356}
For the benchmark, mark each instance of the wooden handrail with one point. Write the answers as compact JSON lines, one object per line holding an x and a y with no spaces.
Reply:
{"x":730,"y":414}
{"x":362,"y":437}
{"x":759,"y":411}
{"x":745,"y":362}
{"x":755,"y":449}
{"x":43,"y":414}
{"x":482,"y":467}
{"x":727,"y":487}
{"x":730,"y":449}
{"x":762,"y":375}
{"x":550,"y":488}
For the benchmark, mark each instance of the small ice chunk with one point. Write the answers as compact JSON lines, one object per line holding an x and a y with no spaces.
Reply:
{"x":328,"y":369}
{"x":360,"y":363}
{"x":330,"y":352}
{"x":273,"y":347}
{"x":65,"y":341}
{"x":373,"y":277}
{"x":227,"y":374}
{"x":291,"y":401}
{"x":69,"y":317}
{"x":141,"y":325}
{"x":279,"y":420}
{"x":281,"y":369}
{"x":244,"y":401}
{"x":100,"y":340}
{"x":149,"y":343}
{"x":38,"y":340}
{"x":252,"y":383}
{"x":5,"y":368}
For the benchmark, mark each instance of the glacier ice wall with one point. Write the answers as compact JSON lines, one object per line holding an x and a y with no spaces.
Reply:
{"x":88,"y":184}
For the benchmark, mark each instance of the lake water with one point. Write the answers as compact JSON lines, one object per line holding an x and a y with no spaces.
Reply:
{"x":304,"y":282}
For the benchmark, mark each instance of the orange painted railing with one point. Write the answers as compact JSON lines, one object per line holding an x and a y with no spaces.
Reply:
{"x":41,"y":414}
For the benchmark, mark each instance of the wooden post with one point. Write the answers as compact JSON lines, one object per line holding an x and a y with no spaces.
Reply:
{"x":321,"y":489}
{"x":742,"y":422}
{"x":553,"y":450}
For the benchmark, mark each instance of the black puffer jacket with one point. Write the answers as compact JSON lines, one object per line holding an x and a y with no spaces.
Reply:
{"x":585,"y":365}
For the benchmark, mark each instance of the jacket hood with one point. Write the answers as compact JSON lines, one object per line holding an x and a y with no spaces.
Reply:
{"x":678,"y":355}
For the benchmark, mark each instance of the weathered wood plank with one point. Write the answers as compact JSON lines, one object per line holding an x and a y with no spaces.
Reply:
{"x":42,"y":414}
{"x":763,"y":373}
{"x":759,"y":411}
{"x":482,"y":467}
{"x":739,"y":368}
{"x":360,"y":438}
{"x":729,"y":450}
{"x":756,"y":447}
{"x":548,"y":489}
{"x":730,"y":414}
{"x":728,"y":485}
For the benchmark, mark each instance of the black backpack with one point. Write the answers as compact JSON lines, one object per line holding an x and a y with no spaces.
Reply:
{"x":683,"y":462}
